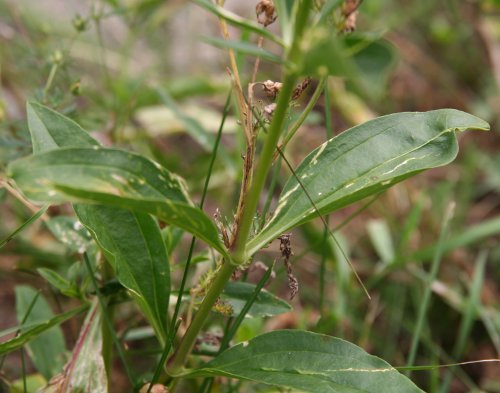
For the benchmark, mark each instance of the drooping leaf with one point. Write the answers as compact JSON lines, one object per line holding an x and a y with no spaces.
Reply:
{"x":138,"y":256}
{"x":47,"y":350}
{"x":132,"y":241}
{"x":307,"y":362}
{"x":112,"y":177}
{"x":50,"y":130}
{"x":109,"y":171}
{"x":30,"y":331}
{"x":85,"y":371}
{"x":266,"y":304}
{"x":365,"y":160}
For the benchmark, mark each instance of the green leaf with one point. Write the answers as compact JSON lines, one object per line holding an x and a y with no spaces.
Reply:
{"x":101,"y":170}
{"x":325,"y":54}
{"x":112,"y":177}
{"x":29,"y":333}
{"x":307,"y":362}
{"x":266,"y":304}
{"x":373,"y":58}
{"x":137,"y":254}
{"x":366,"y":160}
{"x":364,"y":59}
{"x":131,"y":241}
{"x":244,"y":48}
{"x":50,"y":130}
{"x":57,"y":281}
{"x":70,"y":232}
{"x":85,"y":371}
{"x":237,"y":20}
{"x":47,"y":350}
{"x":284,"y":10}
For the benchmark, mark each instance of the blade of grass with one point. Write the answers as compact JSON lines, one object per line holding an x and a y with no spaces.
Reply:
{"x":37,"y":329}
{"x":438,"y":352}
{"x":469,"y":315}
{"x":322,"y":266}
{"x":424,"y":305}
{"x":238,"y":21}
{"x":26,"y":315}
{"x":467,"y":237}
{"x":22,"y":227}
{"x":23,"y":371}
{"x":225,"y":112}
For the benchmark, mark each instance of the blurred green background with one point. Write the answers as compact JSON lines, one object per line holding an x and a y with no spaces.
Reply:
{"x":103,"y":63}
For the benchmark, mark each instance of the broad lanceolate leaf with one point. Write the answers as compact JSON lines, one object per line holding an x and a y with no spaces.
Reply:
{"x":138,"y":255}
{"x":266,"y":304}
{"x":308,"y":362}
{"x":85,"y":372}
{"x":112,"y":177}
{"x":365,"y":160}
{"x":132,"y":241}
{"x":50,"y":130}
{"x":47,"y":350}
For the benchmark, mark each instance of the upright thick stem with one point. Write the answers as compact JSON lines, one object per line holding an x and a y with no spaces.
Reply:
{"x":275,"y":129}
{"x":176,"y":364}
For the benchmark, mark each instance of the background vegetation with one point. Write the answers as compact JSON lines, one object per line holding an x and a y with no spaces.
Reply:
{"x":136,"y":74}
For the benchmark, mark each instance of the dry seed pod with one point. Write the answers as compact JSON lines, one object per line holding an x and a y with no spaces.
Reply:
{"x":272,"y":88}
{"x":266,"y":13}
{"x":350,"y":14}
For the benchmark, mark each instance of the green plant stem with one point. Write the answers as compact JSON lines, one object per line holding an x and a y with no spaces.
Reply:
{"x":233,"y":327}
{"x":50,"y":80}
{"x":176,"y":363}
{"x":263,"y":166}
{"x":270,"y":144}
